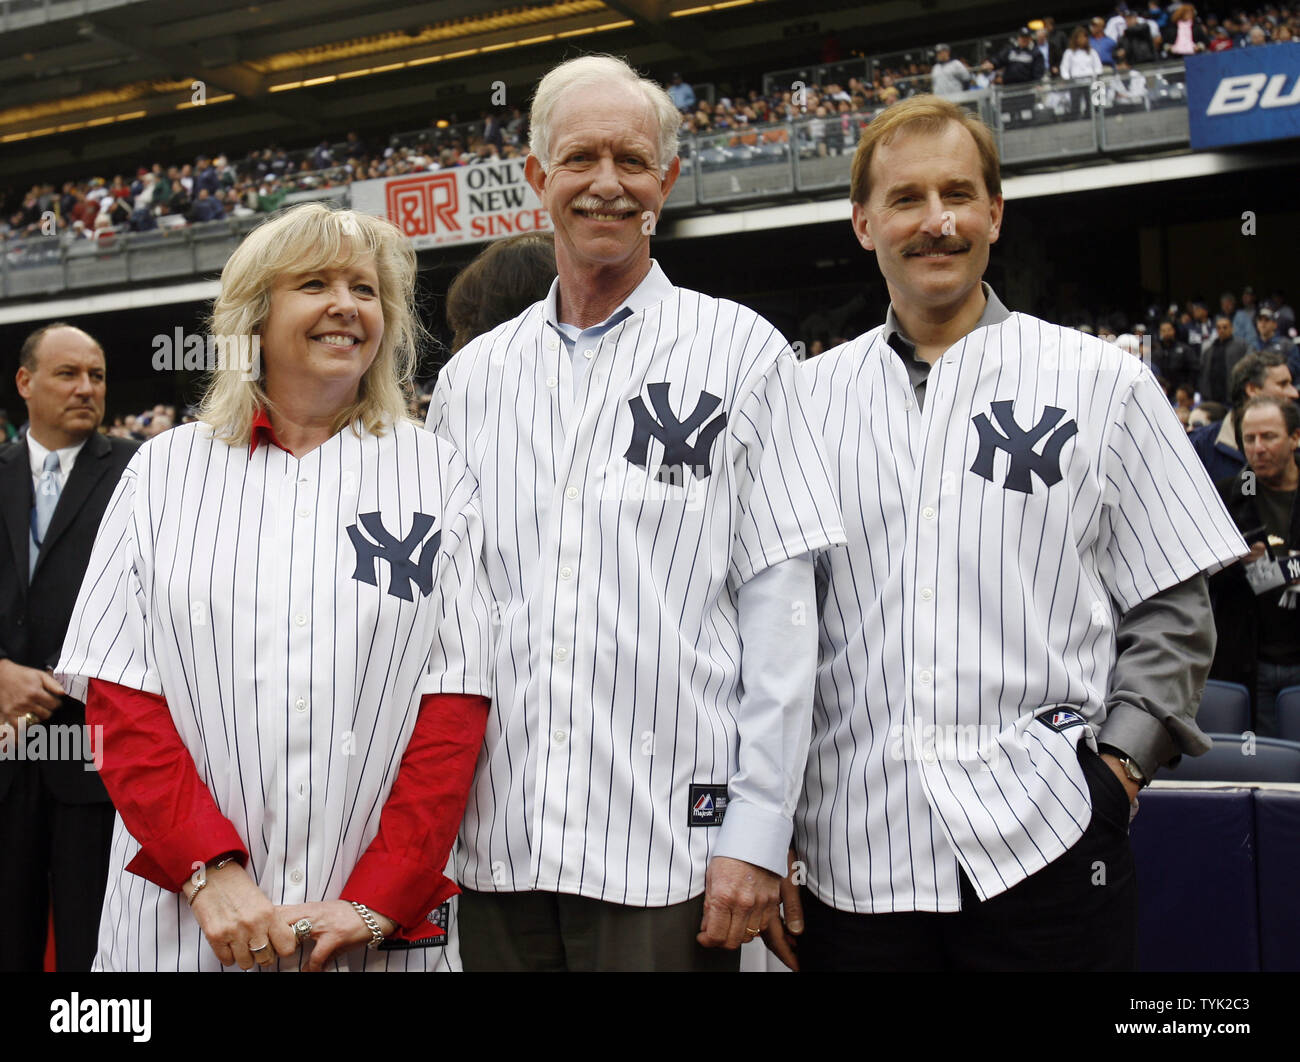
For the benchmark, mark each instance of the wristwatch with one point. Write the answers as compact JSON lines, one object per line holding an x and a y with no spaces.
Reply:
{"x":1131,"y":768}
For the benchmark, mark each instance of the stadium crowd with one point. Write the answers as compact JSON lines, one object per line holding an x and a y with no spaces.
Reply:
{"x":163,"y":196}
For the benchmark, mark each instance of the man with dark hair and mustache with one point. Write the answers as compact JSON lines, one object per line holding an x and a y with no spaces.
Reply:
{"x":1016,"y":636}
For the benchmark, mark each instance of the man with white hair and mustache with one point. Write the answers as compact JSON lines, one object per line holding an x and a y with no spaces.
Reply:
{"x":652,"y":497}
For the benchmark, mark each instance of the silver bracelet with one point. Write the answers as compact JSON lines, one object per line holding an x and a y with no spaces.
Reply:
{"x":376,"y":934}
{"x":203,"y":877}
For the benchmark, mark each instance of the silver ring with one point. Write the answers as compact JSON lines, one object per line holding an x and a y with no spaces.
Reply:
{"x":254,"y":950}
{"x":302,"y":928}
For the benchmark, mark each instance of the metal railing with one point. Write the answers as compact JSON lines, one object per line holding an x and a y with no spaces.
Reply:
{"x":18,"y":14}
{"x":1056,"y":121}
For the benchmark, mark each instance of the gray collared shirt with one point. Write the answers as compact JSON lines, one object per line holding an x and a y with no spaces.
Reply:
{"x":918,"y":371}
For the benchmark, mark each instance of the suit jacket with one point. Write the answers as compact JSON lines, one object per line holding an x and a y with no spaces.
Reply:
{"x":34,"y":618}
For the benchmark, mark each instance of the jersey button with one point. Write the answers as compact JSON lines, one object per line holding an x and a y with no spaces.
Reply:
{"x":571,"y":493}
{"x":566,"y":572}
{"x":552,"y":343}
{"x":930,"y":756}
{"x":925,"y":677}
{"x":561,"y":653}
{"x":588,"y":353}
{"x":559,"y":737}
{"x":907,"y":405}
{"x":926,"y":593}
{"x":928,"y":512}
{"x":296,"y":877}
{"x":300,"y":619}
{"x":552,"y":382}
{"x":304,"y":513}
{"x":301,"y":704}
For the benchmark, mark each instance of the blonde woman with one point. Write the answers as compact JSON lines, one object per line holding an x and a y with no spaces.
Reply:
{"x":282,"y":633}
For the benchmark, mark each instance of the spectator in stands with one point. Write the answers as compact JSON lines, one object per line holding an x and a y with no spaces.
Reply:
{"x":1243,"y":321}
{"x":888,"y":92}
{"x":1267,"y":338}
{"x":1219,"y":447}
{"x":1220,"y":41}
{"x":206,"y":208}
{"x":1157,"y":16}
{"x":948,"y":76}
{"x":7,"y":431}
{"x":1285,"y":315}
{"x":1259,"y":632}
{"x":1256,"y":36}
{"x":681,"y":93}
{"x":1177,"y":363}
{"x":1218,"y":357}
{"x":1080,"y":63}
{"x":1137,"y":39}
{"x":506,"y":278}
{"x":1200,"y":329}
{"x":1051,"y":54}
{"x":1056,"y":36}
{"x":1116,"y":24}
{"x":1189,"y":34}
{"x":1018,"y":63}
{"x":1207,"y":413}
{"x":1128,"y":87}
{"x":1101,"y":43}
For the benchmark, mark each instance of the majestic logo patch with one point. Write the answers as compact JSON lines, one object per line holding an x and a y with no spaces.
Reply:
{"x":673,"y":433}
{"x":402,"y":570}
{"x":1061,"y":720}
{"x":708,"y":805}
{"x":1019,"y":445}
{"x":431,"y":934}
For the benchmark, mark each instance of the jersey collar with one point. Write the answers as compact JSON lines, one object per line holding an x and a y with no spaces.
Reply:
{"x":654,"y":288}
{"x":262,"y":430}
{"x":994,"y":313}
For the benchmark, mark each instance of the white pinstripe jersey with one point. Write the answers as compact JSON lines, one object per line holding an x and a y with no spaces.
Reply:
{"x":293,"y":665}
{"x":968,"y":630}
{"x":618,"y":660}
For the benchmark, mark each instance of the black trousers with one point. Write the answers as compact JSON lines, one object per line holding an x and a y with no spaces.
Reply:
{"x":537,"y":932}
{"x":1077,"y":913}
{"x":49,"y":848}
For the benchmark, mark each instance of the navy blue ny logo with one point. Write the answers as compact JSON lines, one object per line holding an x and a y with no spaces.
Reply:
{"x":1019,"y":445}
{"x":674,"y":433}
{"x":402,"y":571}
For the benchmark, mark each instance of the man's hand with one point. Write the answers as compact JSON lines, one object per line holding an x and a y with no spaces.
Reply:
{"x":781,"y":933}
{"x":27,"y":689}
{"x":738,"y":897}
{"x":236,"y":917}
{"x":1130,"y":787}
{"x":335,"y":926}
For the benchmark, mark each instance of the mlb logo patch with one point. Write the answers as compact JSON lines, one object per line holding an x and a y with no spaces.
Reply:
{"x":1061,"y":719}
{"x":708,"y":805}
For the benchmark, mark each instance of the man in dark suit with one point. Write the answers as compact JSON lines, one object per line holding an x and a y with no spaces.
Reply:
{"x":56,"y":821}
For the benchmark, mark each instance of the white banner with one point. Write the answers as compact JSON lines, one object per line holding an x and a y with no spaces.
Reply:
{"x":467,"y":204}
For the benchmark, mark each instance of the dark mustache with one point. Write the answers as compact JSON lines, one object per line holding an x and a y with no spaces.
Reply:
{"x":945,"y":244}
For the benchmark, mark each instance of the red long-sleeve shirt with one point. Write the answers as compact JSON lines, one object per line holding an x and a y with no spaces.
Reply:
{"x":155,"y":786}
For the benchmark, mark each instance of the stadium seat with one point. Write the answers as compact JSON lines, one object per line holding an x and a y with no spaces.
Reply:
{"x":1288,"y":713}
{"x":1277,"y":837}
{"x":1196,"y":867}
{"x":1233,"y":759}
{"x":1225,"y":708}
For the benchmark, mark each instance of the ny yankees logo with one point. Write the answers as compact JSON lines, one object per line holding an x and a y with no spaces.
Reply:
{"x":673,"y":433}
{"x":402,"y":571}
{"x":1019,"y":445}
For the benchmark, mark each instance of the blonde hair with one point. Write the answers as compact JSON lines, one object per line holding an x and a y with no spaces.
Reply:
{"x":590,"y":70}
{"x":305,"y":239}
{"x":928,"y":114}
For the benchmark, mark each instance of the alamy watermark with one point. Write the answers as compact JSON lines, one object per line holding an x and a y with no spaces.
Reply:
{"x":193,"y":352}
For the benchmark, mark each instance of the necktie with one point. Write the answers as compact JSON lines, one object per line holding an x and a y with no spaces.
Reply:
{"x":47,"y":499}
